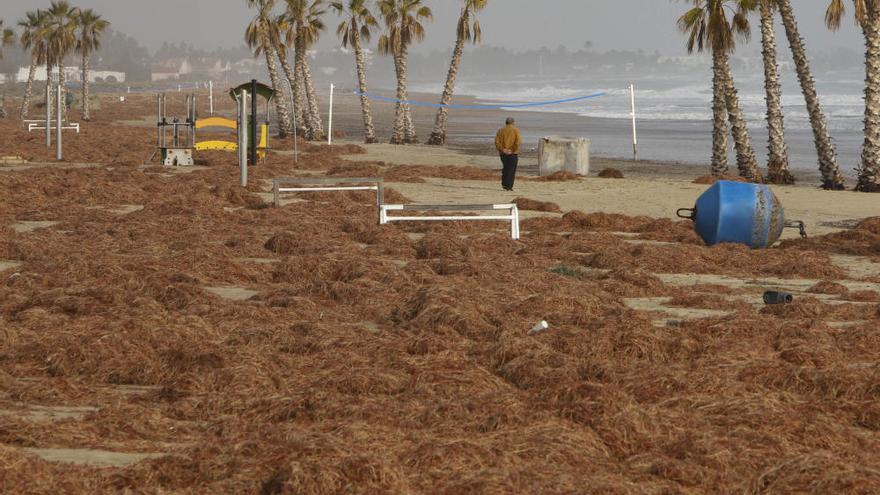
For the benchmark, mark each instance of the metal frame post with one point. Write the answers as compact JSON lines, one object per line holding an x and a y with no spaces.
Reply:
{"x":253,"y":121}
{"x":330,"y":118}
{"x":59,"y":152}
{"x":242,"y":137}
{"x":632,"y":92}
{"x":48,"y":110}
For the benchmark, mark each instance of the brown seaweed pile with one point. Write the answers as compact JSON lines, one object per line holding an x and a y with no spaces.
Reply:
{"x":610,"y":173}
{"x":305,"y":349}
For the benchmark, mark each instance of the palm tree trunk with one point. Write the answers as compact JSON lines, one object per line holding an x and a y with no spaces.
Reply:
{"x":62,"y":81}
{"x":409,"y":129}
{"x":719,"y":120}
{"x":831,"y":176}
{"x":86,"y":115}
{"x":291,"y":81}
{"x":869,"y":172}
{"x":299,"y":90}
{"x":438,"y":135}
{"x":48,"y":91}
{"x":299,"y":98}
{"x":280,"y":103}
{"x":314,"y":112}
{"x":369,"y":130}
{"x":777,"y":164}
{"x":398,"y":134}
{"x":29,"y":89}
{"x":746,"y":161}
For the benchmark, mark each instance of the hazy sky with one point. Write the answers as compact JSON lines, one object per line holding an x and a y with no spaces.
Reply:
{"x":517,"y":24}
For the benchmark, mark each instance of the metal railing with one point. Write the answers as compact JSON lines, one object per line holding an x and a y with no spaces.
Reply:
{"x":323,"y":184}
{"x":512,"y":217}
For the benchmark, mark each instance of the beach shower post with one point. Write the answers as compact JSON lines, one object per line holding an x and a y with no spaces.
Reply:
{"x":632,"y":92}
{"x":330,"y":119}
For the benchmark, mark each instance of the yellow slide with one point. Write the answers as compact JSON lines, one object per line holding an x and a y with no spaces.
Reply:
{"x":228,"y":145}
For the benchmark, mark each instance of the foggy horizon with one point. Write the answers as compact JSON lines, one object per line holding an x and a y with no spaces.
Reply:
{"x":517,"y":25}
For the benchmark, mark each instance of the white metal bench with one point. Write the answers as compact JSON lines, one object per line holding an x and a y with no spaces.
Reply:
{"x":322,"y":184}
{"x":512,"y":216}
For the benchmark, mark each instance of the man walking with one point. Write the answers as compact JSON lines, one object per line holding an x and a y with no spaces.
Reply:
{"x":508,"y":141}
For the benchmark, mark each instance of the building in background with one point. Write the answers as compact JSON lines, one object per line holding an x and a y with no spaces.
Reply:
{"x":171,"y":69}
{"x":73,"y":74}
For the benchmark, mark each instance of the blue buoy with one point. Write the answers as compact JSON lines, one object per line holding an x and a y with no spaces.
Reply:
{"x":738,"y":212}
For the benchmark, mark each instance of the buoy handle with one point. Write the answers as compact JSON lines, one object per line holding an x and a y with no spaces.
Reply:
{"x":797,"y":224}
{"x":690,"y":216}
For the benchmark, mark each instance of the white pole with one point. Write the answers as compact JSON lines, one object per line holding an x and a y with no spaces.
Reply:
{"x":58,"y":114}
{"x":48,"y":110}
{"x":211,"y":97}
{"x":330,"y":119}
{"x":242,"y":137}
{"x":632,"y":92}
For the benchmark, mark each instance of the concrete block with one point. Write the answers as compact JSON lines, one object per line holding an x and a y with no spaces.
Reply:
{"x":559,"y":154}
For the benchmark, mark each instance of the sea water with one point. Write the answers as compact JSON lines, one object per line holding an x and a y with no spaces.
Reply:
{"x":674,"y":114}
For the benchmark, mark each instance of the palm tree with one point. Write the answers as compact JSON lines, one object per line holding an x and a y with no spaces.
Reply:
{"x":777,"y":165}
{"x":707,"y":26}
{"x":357,"y":22}
{"x":285,"y":32}
{"x":831,"y":176}
{"x":91,"y":27}
{"x":403,"y":22}
{"x":466,"y":31}
{"x":33,"y":31}
{"x":258,"y":37}
{"x":7,"y":38}
{"x":867,"y":15}
{"x":61,"y":36}
{"x":307,"y":19}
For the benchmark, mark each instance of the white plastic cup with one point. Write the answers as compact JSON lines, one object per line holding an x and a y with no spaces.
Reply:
{"x":540,"y":327}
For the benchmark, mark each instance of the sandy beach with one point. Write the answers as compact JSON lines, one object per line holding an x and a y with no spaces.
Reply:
{"x":164,"y":329}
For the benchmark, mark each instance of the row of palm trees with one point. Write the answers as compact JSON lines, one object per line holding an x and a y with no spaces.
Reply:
{"x":7,"y":38}
{"x":298,"y":28}
{"x":51,"y":35}
{"x":717,"y":25}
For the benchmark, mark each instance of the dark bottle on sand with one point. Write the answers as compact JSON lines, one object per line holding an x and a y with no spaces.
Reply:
{"x":777,"y":297}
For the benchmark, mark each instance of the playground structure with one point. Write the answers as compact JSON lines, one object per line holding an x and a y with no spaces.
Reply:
{"x":325,"y":184}
{"x":216,"y":145}
{"x":179,"y":149}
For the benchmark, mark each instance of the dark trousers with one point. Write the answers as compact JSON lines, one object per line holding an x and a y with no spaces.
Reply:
{"x":508,"y":174}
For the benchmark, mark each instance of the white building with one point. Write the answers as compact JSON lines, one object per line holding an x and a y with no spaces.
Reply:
{"x":72,"y":74}
{"x":171,"y":69}
{"x":108,"y":76}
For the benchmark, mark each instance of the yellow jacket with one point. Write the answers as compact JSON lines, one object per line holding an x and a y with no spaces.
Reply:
{"x":508,"y":138}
